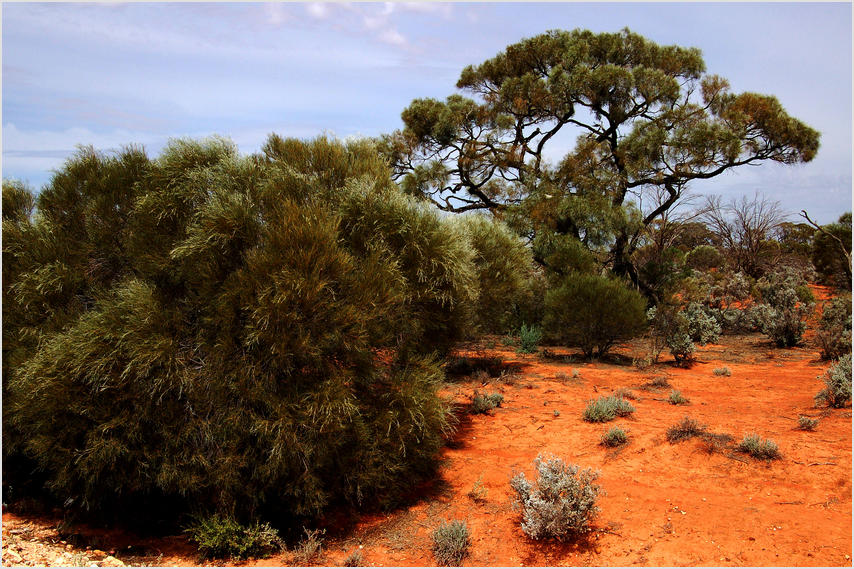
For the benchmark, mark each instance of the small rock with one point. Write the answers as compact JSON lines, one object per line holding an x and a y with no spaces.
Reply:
{"x":98,"y":552}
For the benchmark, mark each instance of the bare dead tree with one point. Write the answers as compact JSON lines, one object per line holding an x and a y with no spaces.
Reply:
{"x":745,"y":227}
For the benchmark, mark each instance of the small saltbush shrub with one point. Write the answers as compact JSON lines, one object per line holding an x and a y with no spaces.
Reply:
{"x":676,"y":398}
{"x":593,"y":313}
{"x":702,"y":327}
{"x":451,"y":542}
{"x":753,"y":445}
{"x":807,"y":423}
{"x":834,"y":333}
{"x":614,"y":437}
{"x":673,"y":328}
{"x":786,"y":305}
{"x":607,"y":409}
{"x":483,"y":403}
{"x":685,"y":429}
{"x":724,"y":371}
{"x":223,"y":537}
{"x":562,"y":501}
{"x":529,"y":338}
{"x":837,"y":380}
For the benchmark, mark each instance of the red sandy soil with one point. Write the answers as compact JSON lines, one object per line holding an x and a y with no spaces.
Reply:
{"x":663,"y":503}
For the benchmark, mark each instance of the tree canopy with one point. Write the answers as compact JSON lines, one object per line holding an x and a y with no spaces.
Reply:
{"x":649,"y":120}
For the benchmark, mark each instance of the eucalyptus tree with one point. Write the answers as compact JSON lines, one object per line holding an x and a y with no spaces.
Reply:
{"x":649,"y":120}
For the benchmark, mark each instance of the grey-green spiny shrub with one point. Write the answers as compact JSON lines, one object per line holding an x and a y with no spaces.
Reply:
{"x":529,"y":337}
{"x":786,"y":305}
{"x":560,"y":503}
{"x":253,"y":335}
{"x":834,"y":333}
{"x":756,"y":447}
{"x":837,"y":380}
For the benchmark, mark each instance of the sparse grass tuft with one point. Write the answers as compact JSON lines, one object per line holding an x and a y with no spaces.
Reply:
{"x":625,"y":393}
{"x":753,"y":445}
{"x":676,"y":398}
{"x":451,"y":543}
{"x":355,"y":559}
{"x":685,"y":430}
{"x":310,"y":548}
{"x":722,"y":371}
{"x":607,"y":409}
{"x":478,"y":491}
{"x":806,"y":423}
{"x":614,"y":437}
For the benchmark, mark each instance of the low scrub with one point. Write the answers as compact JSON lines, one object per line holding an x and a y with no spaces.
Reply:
{"x":614,"y":437}
{"x":529,"y":338}
{"x":451,"y":542}
{"x":676,"y":398}
{"x":310,"y":548}
{"x":807,"y":423}
{"x":753,"y":445}
{"x":355,"y":559}
{"x":834,"y":333}
{"x":483,"y":403}
{"x":607,"y":409}
{"x":222,"y":537}
{"x":561,"y":503}
{"x":686,"y":429}
{"x":837,"y":381}
{"x":724,"y":371}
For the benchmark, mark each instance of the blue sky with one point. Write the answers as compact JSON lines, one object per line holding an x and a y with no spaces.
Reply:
{"x":120,"y":73}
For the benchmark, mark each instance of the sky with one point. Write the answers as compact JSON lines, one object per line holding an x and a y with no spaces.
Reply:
{"x":113,"y":74}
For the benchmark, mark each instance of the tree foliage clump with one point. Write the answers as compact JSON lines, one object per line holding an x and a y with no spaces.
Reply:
{"x":247,"y":334}
{"x":649,"y":120}
{"x":593,"y":312}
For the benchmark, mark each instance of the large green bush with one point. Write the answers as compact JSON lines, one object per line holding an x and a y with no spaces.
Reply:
{"x":593,"y":312}
{"x":834,"y":333}
{"x":786,"y":304}
{"x":249,"y":335}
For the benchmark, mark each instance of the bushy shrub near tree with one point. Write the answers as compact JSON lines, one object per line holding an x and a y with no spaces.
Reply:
{"x":831,"y":244}
{"x":837,"y":380}
{"x":561,"y":503}
{"x":593,"y":312}
{"x":503,"y":269}
{"x":786,"y":304}
{"x":247,"y":334}
{"x":702,"y":327}
{"x":670,"y":325}
{"x":834,"y":333}
{"x":529,"y":338}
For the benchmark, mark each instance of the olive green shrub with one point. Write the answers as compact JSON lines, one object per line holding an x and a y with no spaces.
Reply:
{"x":247,"y":335}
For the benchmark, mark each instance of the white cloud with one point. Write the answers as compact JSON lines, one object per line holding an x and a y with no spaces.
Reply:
{"x":393,"y":37}
{"x":318,"y":10}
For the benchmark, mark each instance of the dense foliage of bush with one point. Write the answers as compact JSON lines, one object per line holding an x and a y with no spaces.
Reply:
{"x":703,"y":258}
{"x":702,"y":328}
{"x":593,"y":312}
{"x":247,"y":334}
{"x":670,"y":325}
{"x":614,"y":437}
{"x":786,"y":304}
{"x":451,"y":542}
{"x":504,"y":272}
{"x":483,"y":403}
{"x":827,"y":253}
{"x":834,"y":333}
{"x":222,"y":537}
{"x":562,"y":501}
{"x":837,"y":380}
